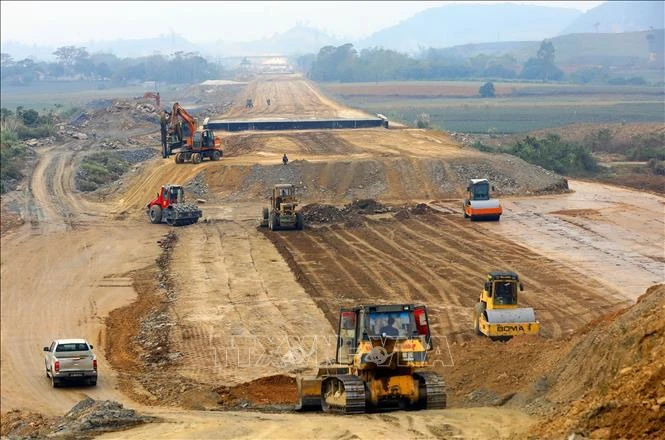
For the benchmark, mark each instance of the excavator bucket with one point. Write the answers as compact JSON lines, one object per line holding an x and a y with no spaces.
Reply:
{"x":509,"y":322}
{"x":309,"y":393}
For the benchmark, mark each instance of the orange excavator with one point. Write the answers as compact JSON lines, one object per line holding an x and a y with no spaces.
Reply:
{"x":182,"y":136}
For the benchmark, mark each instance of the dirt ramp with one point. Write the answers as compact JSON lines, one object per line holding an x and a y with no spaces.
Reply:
{"x":386,"y":179}
{"x":617,"y":371}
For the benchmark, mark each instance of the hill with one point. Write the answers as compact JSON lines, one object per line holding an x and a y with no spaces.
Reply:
{"x":447,"y":26}
{"x":620,"y":17}
{"x":297,"y":40}
{"x":588,"y":48}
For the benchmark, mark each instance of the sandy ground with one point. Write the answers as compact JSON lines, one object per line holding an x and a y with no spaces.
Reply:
{"x":75,"y":260}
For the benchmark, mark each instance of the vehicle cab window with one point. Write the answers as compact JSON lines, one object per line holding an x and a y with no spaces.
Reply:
{"x":505,"y":293}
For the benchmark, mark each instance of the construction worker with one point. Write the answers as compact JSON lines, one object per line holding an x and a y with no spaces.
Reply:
{"x":285,"y":159}
{"x":389,"y":330}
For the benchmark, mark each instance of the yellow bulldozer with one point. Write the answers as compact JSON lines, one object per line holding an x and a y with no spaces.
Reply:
{"x":497,"y":313}
{"x":381,"y":363}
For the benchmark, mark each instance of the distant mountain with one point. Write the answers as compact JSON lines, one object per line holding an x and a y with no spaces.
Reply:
{"x":19,"y":51}
{"x":613,"y":17}
{"x":575,"y":49}
{"x":451,"y":25}
{"x":164,"y":44}
{"x":297,"y":40}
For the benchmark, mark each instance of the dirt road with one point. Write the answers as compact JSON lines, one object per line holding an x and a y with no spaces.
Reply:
{"x":291,"y":97}
{"x":77,"y":258}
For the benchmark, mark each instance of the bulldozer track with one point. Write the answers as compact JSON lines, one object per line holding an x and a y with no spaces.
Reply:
{"x":354,"y":393}
{"x":435,"y":389}
{"x":382,"y":261}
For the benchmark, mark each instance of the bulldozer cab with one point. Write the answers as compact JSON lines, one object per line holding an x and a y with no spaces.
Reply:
{"x":501,"y":290}
{"x":479,"y":189}
{"x":378,"y":323}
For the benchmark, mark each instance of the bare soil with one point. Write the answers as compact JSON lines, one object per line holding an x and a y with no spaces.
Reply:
{"x":221,"y":311}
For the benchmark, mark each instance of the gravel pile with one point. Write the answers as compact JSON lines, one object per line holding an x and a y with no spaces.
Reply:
{"x":197,"y":187}
{"x":86,"y":420}
{"x":321,"y":213}
{"x":137,"y":156}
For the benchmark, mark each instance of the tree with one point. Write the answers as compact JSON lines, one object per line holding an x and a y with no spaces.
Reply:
{"x":69,"y":56}
{"x":546,"y":51}
{"x":542,"y":67}
{"x":487,"y":90}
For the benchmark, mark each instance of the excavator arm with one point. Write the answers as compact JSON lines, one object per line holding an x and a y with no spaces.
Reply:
{"x":180,"y":112}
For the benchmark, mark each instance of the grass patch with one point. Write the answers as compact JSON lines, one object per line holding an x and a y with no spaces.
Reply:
{"x":99,"y":169}
{"x":13,"y":157}
{"x":518,"y":108}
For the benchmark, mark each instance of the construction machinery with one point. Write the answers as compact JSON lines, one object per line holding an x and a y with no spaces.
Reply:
{"x":170,"y":207}
{"x":181,"y":133}
{"x":479,"y":205}
{"x":381,"y":363}
{"x":497,"y":313}
{"x":282,"y":212}
{"x":155,"y":96}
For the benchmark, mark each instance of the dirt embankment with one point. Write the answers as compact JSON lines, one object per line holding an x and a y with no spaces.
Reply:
{"x":612,"y":382}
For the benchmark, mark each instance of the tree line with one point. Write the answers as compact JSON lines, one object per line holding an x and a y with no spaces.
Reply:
{"x":74,"y":62}
{"x":345,"y":64}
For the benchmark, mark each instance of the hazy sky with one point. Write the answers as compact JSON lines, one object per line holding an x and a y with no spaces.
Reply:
{"x":55,"y":23}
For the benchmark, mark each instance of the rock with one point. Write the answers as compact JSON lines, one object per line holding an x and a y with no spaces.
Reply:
{"x":80,"y":136}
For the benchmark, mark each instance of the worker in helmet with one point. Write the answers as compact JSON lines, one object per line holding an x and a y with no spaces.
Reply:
{"x":285,"y":159}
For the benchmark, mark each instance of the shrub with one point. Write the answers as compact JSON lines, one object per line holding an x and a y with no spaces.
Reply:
{"x":647,"y":146}
{"x":554,"y":154}
{"x":423,"y":120}
{"x":99,"y":169}
{"x":487,"y":90}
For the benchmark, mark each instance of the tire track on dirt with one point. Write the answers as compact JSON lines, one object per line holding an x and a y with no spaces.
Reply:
{"x":582,"y":300}
{"x":240,"y":314}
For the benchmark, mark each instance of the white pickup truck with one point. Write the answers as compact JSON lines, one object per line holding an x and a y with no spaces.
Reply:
{"x":70,"y":359}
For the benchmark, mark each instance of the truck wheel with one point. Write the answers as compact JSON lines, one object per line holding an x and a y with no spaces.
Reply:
{"x":92,"y":382}
{"x":55,"y":383}
{"x":196,"y":158}
{"x":216,"y":155}
{"x":179,"y":158}
{"x":155,"y":214}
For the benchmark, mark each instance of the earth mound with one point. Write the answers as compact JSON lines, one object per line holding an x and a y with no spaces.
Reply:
{"x":612,"y":382}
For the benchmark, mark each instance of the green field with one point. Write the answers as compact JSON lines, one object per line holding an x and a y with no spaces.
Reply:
{"x":520,"y":108}
{"x":43,"y":95}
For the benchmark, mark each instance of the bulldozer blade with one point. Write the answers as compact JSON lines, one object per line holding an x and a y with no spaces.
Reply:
{"x":309,"y":393}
